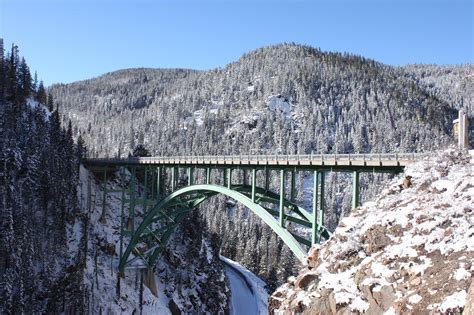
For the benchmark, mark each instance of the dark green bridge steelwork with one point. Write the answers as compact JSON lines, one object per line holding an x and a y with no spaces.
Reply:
{"x":164,"y":211}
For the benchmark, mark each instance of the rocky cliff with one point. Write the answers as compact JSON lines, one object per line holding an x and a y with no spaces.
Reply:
{"x":409,"y":252}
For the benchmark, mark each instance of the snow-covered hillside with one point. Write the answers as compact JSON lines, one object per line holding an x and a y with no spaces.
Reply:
{"x":409,"y":252}
{"x":189,"y":276}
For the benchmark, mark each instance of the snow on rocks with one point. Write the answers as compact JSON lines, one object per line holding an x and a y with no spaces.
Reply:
{"x":454,"y":302}
{"x":411,"y":251}
{"x":279,"y":103}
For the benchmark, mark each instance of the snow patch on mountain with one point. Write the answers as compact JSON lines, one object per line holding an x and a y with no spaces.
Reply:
{"x":279,"y":103}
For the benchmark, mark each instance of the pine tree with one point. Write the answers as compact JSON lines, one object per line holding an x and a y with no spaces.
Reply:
{"x":2,"y":71}
{"x":140,"y":151}
{"x":41,"y":96}
{"x":24,"y":77}
{"x":50,"y":102}
{"x":12,"y":79}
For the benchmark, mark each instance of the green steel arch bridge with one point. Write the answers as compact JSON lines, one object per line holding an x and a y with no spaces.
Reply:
{"x":164,"y":209}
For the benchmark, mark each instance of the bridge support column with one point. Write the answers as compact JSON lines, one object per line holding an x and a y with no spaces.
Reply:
{"x":104,"y":197}
{"x":190,"y":176}
{"x":145,"y":189}
{"x":158,"y":183}
{"x":122,"y":219}
{"x":174,"y":178}
{"x":318,"y":207}
{"x":229,"y":177}
{"x":321,"y":199}
{"x":314,"y":232}
{"x":254,"y":183}
{"x":282,"y":198}
{"x":293,"y":184}
{"x":131,"y":212}
{"x":152,"y":182}
{"x":122,"y":208}
{"x":208,"y":175}
{"x":244,"y":177}
{"x":355,"y":189}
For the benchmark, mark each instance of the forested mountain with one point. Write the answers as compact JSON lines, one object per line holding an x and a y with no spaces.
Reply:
{"x":55,"y":248}
{"x":279,"y":99}
{"x":38,"y":178}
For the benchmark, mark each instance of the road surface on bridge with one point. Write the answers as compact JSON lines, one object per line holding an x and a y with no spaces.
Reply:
{"x":310,"y":160}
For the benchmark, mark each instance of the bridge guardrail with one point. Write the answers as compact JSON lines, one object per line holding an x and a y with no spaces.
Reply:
{"x":403,"y":157}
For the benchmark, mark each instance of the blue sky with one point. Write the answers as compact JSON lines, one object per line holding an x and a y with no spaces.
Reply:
{"x":69,"y":40}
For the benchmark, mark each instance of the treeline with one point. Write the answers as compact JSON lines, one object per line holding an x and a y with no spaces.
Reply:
{"x":38,"y":178}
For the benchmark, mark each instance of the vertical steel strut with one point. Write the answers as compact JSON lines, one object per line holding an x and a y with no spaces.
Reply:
{"x":131,"y":211}
{"x":229,"y":177}
{"x":104,"y":197}
{"x":314,"y":232}
{"x":254,"y":183}
{"x":292,"y":188}
{"x":190,"y":176}
{"x":158,"y":183}
{"x":321,"y":201}
{"x":355,"y":189}
{"x":282,"y":198}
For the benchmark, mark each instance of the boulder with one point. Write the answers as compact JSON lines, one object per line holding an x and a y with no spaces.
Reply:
{"x":304,"y":280}
{"x":376,"y":239}
{"x":313,"y":256}
{"x":407,"y":182}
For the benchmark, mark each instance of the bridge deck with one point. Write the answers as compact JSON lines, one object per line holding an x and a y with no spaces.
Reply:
{"x":394,"y":161}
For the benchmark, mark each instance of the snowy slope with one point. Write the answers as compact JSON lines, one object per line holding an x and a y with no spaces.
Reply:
{"x":409,"y":252}
{"x":177,"y":284}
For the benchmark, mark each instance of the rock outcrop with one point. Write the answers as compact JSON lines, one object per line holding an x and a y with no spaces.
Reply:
{"x":409,"y":252}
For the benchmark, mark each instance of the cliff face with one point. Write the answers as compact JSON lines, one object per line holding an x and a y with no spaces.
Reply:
{"x":409,"y":252}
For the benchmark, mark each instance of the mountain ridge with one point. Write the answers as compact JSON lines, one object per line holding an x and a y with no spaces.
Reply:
{"x":277,"y":100}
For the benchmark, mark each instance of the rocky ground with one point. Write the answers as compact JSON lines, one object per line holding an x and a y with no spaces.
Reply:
{"x":409,"y":252}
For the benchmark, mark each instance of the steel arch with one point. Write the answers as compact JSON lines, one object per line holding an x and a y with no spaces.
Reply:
{"x":184,"y":197}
